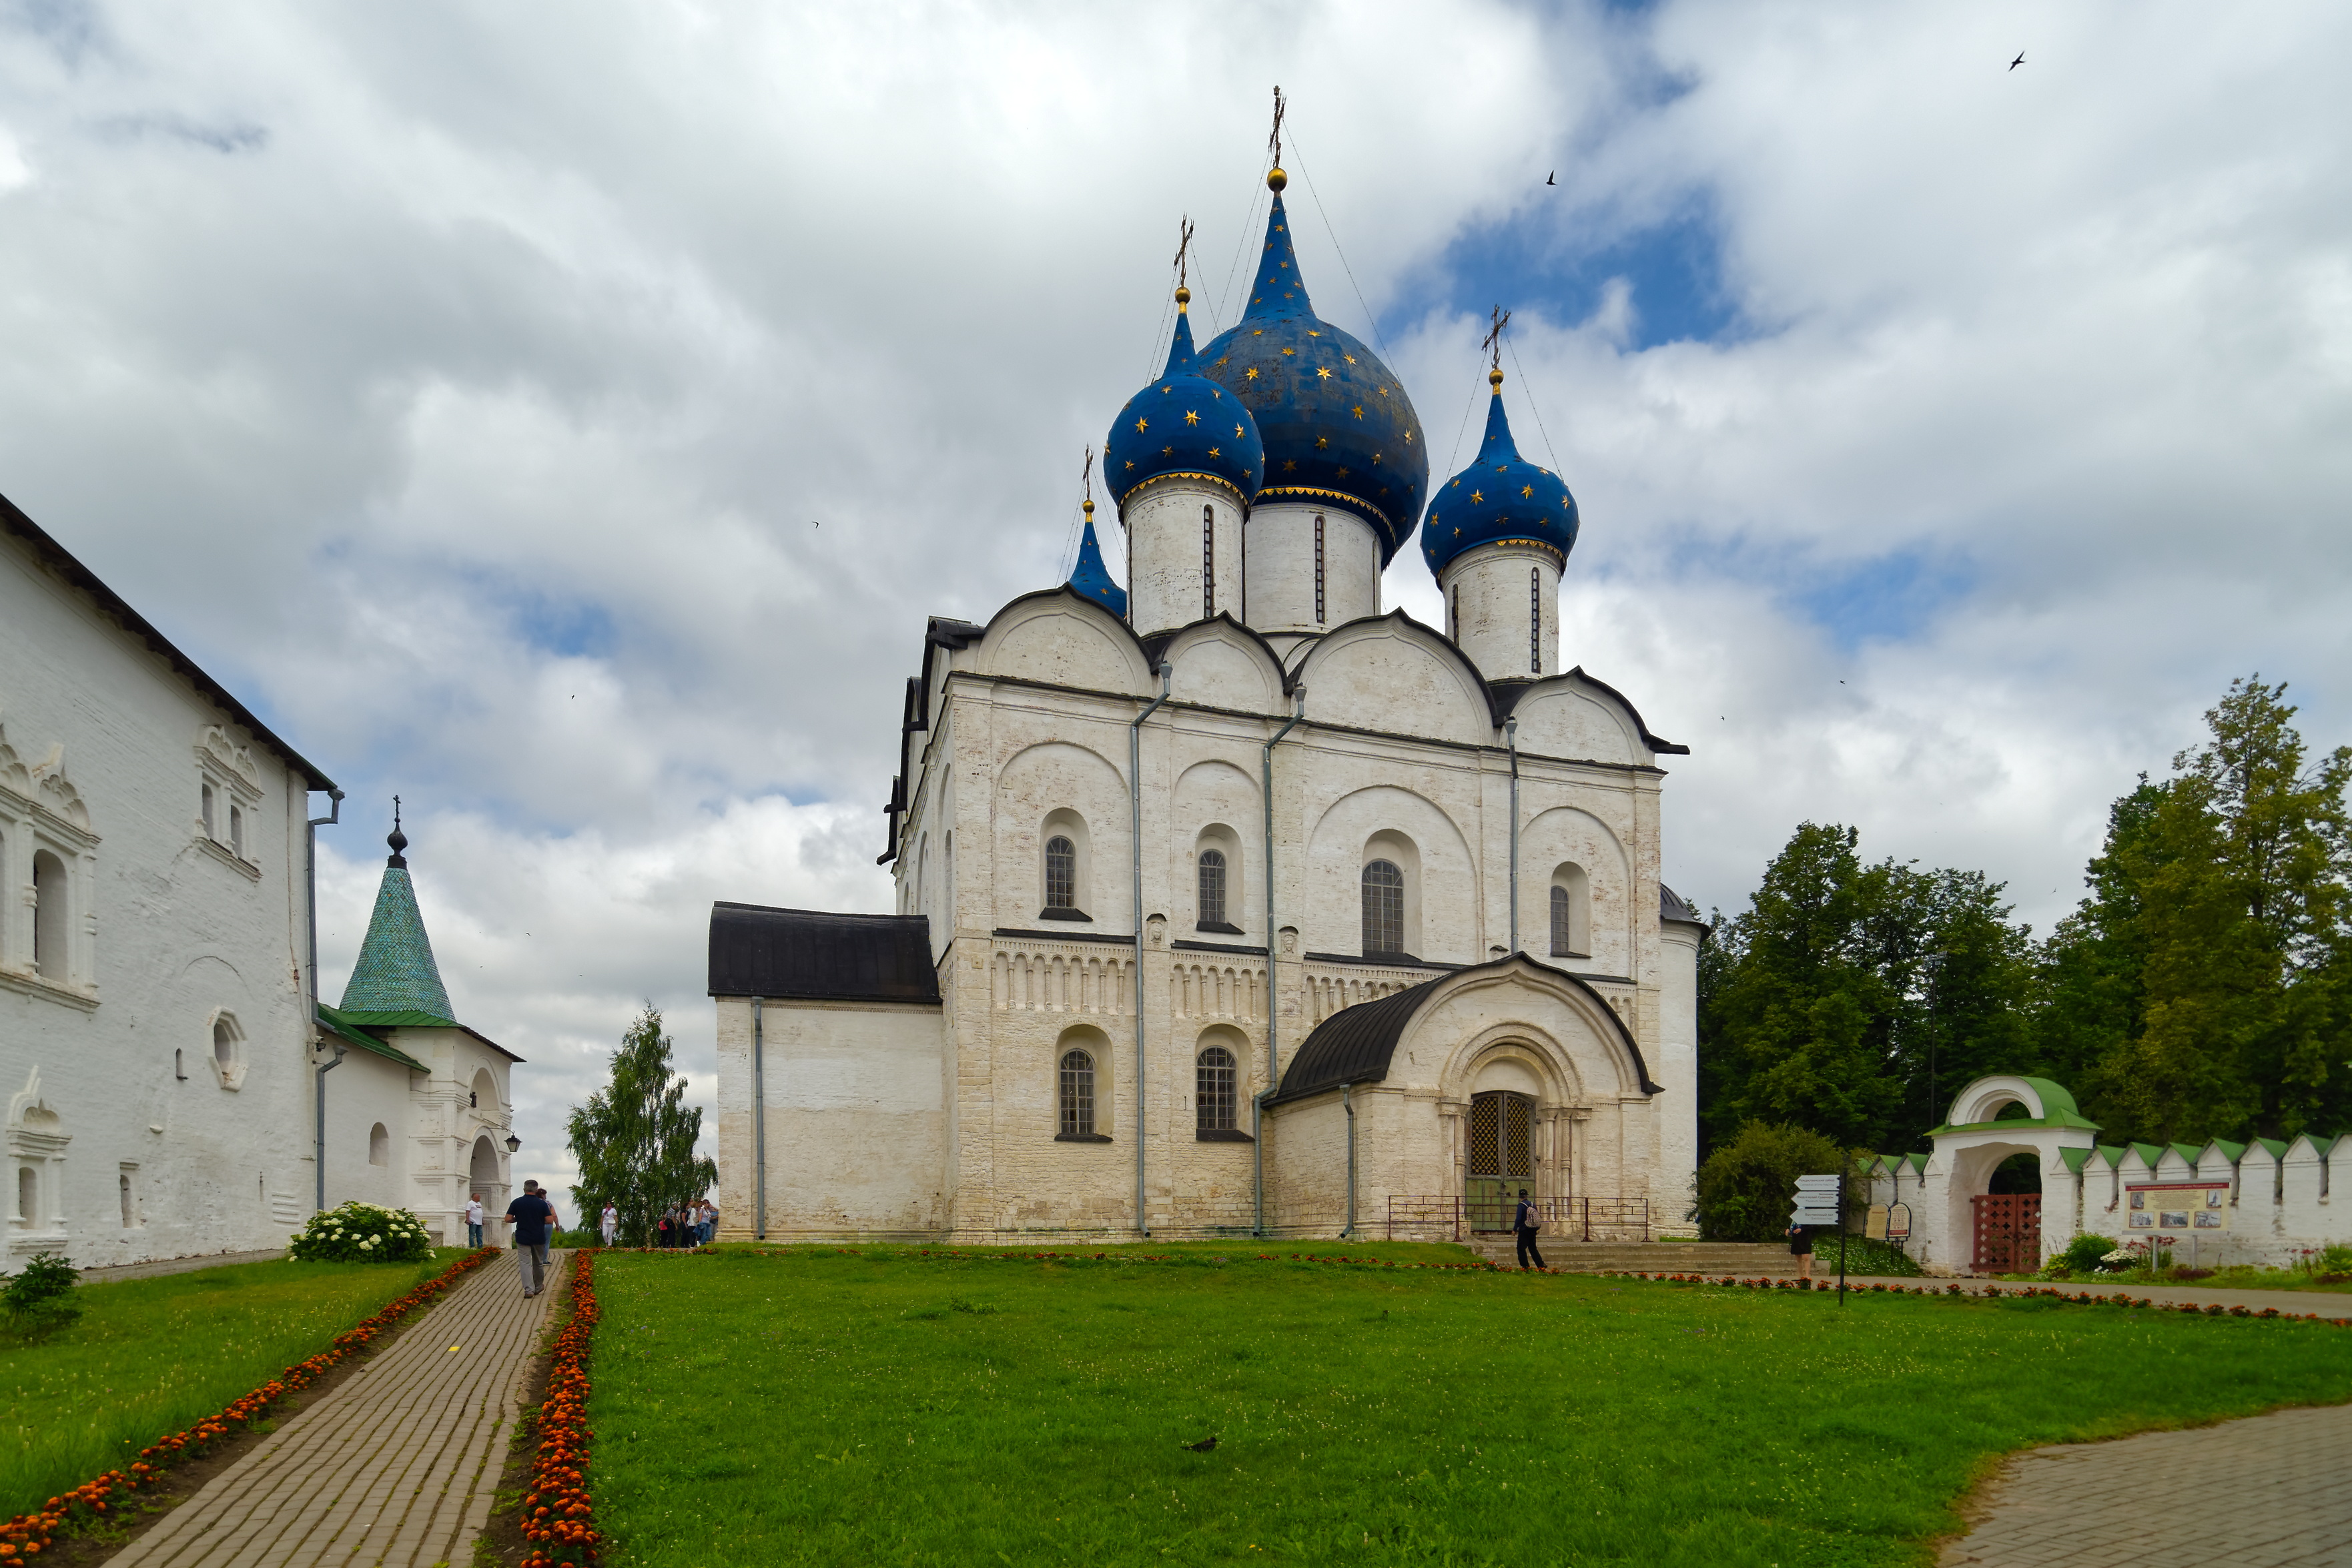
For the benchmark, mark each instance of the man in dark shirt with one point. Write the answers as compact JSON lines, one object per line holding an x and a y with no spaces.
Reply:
{"x":534,"y":1220}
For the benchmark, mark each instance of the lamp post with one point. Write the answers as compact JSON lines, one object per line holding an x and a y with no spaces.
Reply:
{"x":513,"y":1143}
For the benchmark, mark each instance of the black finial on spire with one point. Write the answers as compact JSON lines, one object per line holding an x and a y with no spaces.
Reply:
{"x":397,"y":840}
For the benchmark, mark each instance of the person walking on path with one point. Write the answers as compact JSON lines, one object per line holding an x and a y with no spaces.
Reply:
{"x":1525,"y":1223}
{"x":610,"y":1226}
{"x":474,"y":1220}
{"x":534,"y":1219}
{"x":1801,"y":1246}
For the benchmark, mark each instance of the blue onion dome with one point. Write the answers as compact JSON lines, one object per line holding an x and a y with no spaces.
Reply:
{"x":1091,"y":578}
{"x":1338,"y":427}
{"x":1500,"y":498}
{"x":1183,"y":423}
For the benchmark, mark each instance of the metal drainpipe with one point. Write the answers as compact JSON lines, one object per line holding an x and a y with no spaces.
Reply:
{"x":310,"y":871}
{"x":1273,"y":1066}
{"x":1511,"y":739}
{"x":759,"y":1122}
{"x":1135,"y":838}
{"x":1347,"y":1104}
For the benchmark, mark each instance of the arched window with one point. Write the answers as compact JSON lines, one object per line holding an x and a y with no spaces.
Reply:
{"x":1061,"y":873}
{"x":379,"y":1145}
{"x":1571,"y":912}
{"x":1214,"y":1091}
{"x":50,"y":957}
{"x":1383,"y":908}
{"x":1213,"y":888}
{"x":1077,"y":1095}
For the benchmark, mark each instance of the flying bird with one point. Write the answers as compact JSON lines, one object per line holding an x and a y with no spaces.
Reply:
{"x":2018,"y":61}
{"x":1552,"y":178}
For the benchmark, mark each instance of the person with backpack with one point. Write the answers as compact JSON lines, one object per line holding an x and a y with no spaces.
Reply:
{"x":1525,"y":1223}
{"x":534,"y":1221}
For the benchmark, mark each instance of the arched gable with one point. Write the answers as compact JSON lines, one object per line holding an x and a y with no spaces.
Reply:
{"x":1059,"y":781}
{"x":1220,"y":663}
{"x":1445,"y":877}
{"x":1435,"y":1035}
{"x":1574,"y":715}
{"x":1568,"y":834}
{"x":1393,"y":674}
{"x":1063,"y":639}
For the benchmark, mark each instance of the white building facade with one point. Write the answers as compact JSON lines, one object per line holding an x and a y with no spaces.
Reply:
{"x":1231,"y":903}
{"x":157,"y":1038}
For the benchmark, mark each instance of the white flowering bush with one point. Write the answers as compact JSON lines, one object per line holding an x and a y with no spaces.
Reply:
{"x":362,"y":1233}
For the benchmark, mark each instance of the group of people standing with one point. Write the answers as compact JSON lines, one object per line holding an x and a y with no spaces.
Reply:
{"x":688,"y":1225}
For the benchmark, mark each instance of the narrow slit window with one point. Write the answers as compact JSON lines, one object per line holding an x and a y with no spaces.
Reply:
{"x":1212,"y":886}
{"x":1214,"y":1091}
{"x":1077,"y":1095}
{"x":1208,"y":562}
{"x":1318,"y":568}
{"x":1535,"y":620}
{"x":1383,"y":908}
{"x":1061,"y":874}
{"x":237,"y":831}
{"x":1563,"y":938}
{"x":1456,"y":612}
{"x":210,"y":832}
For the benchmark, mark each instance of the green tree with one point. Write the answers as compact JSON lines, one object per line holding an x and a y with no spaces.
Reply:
{"x":634,"y":1138}
{"x":2203,"y":984}
{"x":1852,"y":998}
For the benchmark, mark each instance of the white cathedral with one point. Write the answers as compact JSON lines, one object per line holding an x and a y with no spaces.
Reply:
{"x":1227,"y":901}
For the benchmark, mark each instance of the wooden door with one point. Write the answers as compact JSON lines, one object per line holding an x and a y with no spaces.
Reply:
{"x":2008,"y":1232}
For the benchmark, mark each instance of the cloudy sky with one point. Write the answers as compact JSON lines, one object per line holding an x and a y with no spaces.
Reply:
{"x":565,"y":416}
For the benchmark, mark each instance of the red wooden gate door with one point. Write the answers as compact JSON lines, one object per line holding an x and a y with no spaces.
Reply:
{"x":2008,"y":1232}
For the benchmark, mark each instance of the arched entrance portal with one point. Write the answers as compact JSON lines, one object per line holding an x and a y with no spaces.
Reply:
{"x":1501,"y":1156}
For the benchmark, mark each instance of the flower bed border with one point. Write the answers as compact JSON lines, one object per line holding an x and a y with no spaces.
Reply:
{"x":28,"y":1534}
{"x":2014,"y":1292}
{"x":558,"y":1516}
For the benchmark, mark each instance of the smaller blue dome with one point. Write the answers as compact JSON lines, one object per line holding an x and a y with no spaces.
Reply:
{"x":1090,"y":578}
{"x":1500,"y":498}
{"x":1183,"y":423}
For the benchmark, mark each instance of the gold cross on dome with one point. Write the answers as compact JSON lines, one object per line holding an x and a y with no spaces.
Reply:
{"x":1493,"y":342}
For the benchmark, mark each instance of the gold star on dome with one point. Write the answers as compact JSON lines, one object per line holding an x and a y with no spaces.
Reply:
{"x":1376,"y":457}
{"x":1350,"y":358}
{"x":1323,"y":373}
{"x":1237,"y":432}
{"x":1526,"y":490}
{"x":1343,"y":473}
{"x":1358,"y":411}
{"x":1141,"y":426}
{"x":1167,"y":451}
{"x":1457,"y":484}
{"x":1381,"y":390}
{"x":1221,"y":364}
{"x":1251,"y":374}
{"x":1313,"y":333}
{"x":1257,"y":332}
{"x":1190,"y":418}
{"x":1288,"y":466}
{"x":1215,"y":453}
{"x":1476,"y":498}
{"x":1130,"y":462}
{"x":1408,"y":435}
{"x":1290,"y":351}
{"x":1321,"y":442}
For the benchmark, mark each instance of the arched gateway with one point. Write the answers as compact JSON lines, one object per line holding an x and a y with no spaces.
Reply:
{"x":1464,"y":1089}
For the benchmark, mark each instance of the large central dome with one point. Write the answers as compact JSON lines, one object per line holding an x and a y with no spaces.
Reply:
{"x":1338,"y":426}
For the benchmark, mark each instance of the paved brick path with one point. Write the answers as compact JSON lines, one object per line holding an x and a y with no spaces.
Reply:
{"x":394,"y":1468}
{"x":2271,"y":1492}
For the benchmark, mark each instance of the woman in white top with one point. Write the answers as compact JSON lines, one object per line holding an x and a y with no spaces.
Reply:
{"x":611,"y":1225}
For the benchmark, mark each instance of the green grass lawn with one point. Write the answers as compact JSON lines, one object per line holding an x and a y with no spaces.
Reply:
{"x":810,"y":1407}
{"x":152,"y":1356}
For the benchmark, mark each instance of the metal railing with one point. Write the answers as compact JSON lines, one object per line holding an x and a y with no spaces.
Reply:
{"x":1416,"y":1216}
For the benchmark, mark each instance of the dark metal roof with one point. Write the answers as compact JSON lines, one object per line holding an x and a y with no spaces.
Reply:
{"x":1672,"y":906}
{"x":60,"y":560}
{"x":1356,"y":1044}
{"x":813,"y":956}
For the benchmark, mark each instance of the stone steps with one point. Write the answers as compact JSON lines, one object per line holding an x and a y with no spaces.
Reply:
{"x":1748,"y":1260}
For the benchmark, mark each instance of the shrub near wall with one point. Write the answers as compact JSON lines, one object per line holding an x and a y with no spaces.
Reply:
{"x":362,"y":1233}
{"x":1747,"y":1187}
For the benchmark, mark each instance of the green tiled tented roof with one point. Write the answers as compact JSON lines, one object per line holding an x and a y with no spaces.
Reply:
{"x":395,"y":971}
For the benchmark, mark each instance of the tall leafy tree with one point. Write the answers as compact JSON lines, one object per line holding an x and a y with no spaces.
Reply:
{"x":634,"y":1138}
{"x":2203,"y":984}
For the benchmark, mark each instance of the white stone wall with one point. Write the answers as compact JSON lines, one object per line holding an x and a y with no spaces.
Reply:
{"x":1174,"y":576}
{"x":104,"y":751}
{"x":1282,"y":567}
{"x":1502,"y":602}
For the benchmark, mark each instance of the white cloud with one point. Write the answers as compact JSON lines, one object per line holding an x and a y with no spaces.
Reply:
{"x":570,"y":422}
